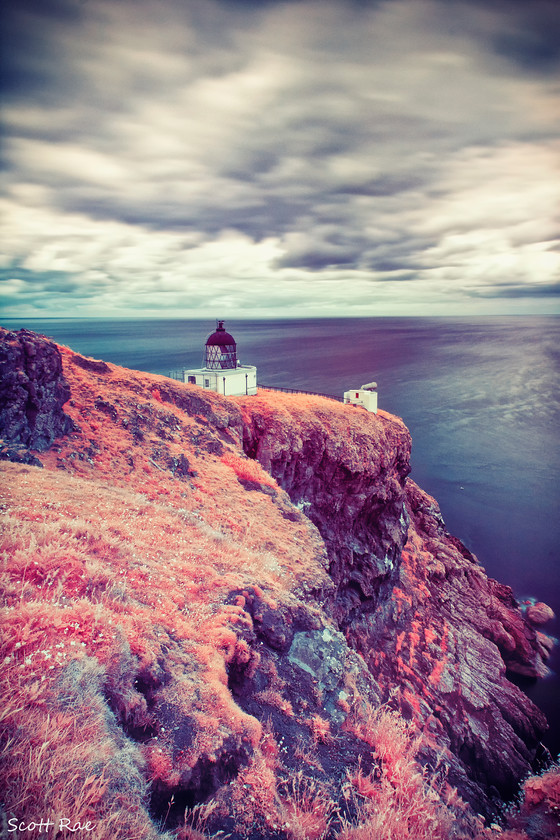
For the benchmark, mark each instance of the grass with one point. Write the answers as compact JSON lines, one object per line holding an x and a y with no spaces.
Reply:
{"x":398,"y":799}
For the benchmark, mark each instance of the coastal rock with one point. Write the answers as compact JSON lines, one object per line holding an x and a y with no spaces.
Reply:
{"x":345,"y":470}
{"x":447,"y":638}
{"x":32,"y":391}
{"x":18,"y":455}
{"x":437,"y":634}
{"x":539,"y":613}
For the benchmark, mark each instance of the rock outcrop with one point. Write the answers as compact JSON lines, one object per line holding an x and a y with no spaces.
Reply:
{"x":32,"y":393}
{"x":447,"y":638}
{"x":438,"y":635}
{"x":345,"y":469}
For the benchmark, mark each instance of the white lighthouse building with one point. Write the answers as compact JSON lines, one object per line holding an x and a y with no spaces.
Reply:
{"x":222,"y":372}
{"x":366,"y":397}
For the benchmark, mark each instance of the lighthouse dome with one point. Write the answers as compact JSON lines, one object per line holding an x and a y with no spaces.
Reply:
{"x":220,"y":336}
{"x":221,"y":349}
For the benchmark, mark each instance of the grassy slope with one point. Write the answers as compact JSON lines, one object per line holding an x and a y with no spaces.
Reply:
{"x":118,"y":564}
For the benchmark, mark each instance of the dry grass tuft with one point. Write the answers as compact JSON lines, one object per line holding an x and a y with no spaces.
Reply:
{"x":307,"y":809}
{"x":398,"y":799}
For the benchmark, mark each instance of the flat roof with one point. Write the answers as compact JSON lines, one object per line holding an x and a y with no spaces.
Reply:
{"x":221,"y":371}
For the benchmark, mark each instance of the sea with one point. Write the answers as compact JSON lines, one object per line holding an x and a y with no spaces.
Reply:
{"x":481,"y":398}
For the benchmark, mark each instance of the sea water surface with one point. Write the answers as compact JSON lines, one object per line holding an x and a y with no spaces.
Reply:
{"x":480,"y":397}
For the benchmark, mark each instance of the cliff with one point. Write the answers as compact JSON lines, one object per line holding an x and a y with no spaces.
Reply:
{"x":434,"y":630}
{"x":258,"y":619}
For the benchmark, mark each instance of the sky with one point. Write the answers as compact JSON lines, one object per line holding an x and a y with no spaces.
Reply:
{"x":231,"y":158}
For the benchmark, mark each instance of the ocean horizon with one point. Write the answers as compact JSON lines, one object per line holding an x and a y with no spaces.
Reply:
{"x":480,"y":396}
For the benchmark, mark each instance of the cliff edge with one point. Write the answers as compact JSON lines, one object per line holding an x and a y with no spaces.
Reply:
{"x":260,"y":622}
{"x":438,"y":635}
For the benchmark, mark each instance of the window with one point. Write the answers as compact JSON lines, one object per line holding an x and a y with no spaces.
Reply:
{"x":192,"y":380}
{"x":206,"y":383}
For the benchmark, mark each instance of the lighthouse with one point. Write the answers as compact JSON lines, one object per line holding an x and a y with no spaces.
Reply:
{"x":222,"y":371}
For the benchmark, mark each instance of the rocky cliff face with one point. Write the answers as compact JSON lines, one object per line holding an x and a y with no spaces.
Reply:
{"x":32,"y":393}
{"x":324,"y":585}
{"x":437,"y":634}
{"x":446,"y":637}
{"x":346,"y":470}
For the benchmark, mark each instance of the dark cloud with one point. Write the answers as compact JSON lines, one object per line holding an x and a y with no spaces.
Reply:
{"x":534,"y":50}
{"x":46,"y":283}
{"x":323,"y":256}
{"x":252,"y":5}
{"x":536,"y":290}
{"x":387,"y":265}
{"x":528,"y":33}
{"x":30,"y":35}
{"x":386,"y":185}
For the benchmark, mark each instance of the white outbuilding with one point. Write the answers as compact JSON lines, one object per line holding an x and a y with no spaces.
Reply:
{"x":366,"y":397}
{"x":222,"y":372}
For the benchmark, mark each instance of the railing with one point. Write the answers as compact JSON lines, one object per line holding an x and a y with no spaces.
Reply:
{"x":299,"y":391}
{"x":176,"y":374}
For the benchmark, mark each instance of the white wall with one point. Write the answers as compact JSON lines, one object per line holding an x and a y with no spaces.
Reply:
{"x":231,"y":382}
{"x":367,"y":399}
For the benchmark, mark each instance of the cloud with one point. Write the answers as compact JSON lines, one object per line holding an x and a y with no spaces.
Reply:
{"x":179,"y":154}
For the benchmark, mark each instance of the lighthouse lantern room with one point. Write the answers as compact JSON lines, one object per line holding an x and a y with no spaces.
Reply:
{"x":221,"y":350}
{"x":222,"y":371}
